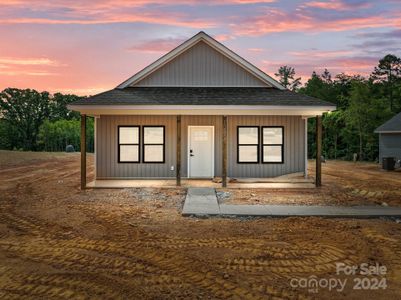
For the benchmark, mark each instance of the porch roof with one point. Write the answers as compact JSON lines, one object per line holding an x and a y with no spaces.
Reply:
{"x":202,"y":96}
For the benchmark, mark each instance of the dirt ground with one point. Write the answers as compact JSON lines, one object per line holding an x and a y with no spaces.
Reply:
{"x":344,"y":183}
{"x":59,"y":242}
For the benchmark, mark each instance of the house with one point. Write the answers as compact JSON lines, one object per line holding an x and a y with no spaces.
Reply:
{"x":390,"y":138}
{"x":200,"y":111}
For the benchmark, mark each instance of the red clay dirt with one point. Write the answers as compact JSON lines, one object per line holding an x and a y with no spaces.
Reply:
{"x":59,"y":242}
{"x":344,"y":183}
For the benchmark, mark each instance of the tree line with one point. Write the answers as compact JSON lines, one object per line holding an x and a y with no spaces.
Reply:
{"x":39,"y":121}
{"x":363,"y":104}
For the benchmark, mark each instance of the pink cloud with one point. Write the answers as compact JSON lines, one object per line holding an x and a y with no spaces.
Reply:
{"x":157,"y":45}
{"x":275,"y":20}
{"x":26,"y":73}
{"x":223,"y":37}
{"x":305,"y":66}
{"x":256,"y":49}
{"x":109,"y":19}
{"x":337,"y":5}
{"x":100,"y":12}
{"x":320,"y":53}
{"x":28,"y":61}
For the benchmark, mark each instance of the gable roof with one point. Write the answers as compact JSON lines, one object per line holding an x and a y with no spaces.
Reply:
{"x":391,"y":126}
{"x":250,"y":96}
{"x":202,"y":37}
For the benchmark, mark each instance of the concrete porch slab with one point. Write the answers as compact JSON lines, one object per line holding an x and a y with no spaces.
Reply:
{"x":187,"y":183}
{"x":272,"y":185}
{"x":149,"y":183}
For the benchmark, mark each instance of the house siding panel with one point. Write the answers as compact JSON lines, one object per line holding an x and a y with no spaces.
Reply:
{"x":107,"y":148}
{"x":294,"y":147}
{"x":389,"y":145}
{"x":201,"y":65}
{"x":107,"y":156}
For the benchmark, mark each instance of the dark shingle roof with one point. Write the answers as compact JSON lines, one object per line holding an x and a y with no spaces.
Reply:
{"x":201,"y":96}
{"x":394,"y":124}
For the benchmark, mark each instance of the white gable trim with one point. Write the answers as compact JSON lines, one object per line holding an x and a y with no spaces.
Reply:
{"x":201,"y":36}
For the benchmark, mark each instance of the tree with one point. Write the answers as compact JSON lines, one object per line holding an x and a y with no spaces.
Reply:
{"x":287,"y":78}
{"x":319,"y":88}
{"x":25,"y":110}
{"x":364,"y":114}
{"x":326,"y":76}
{"x":59,"y":108}
{"x":333,"y":123}
{"x":388,"y":72}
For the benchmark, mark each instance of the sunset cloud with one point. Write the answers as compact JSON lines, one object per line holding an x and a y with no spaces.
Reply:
{"x":350,"y":65}
{"x":157,"y":45}
{"x":110,"y":19}
{"x":28,"y":61}
{"x":274,"y":20}
{"x":86,"y":47}
{"x":320,"y":53}
{"x":255,"y":49}
{"x":338,"y":4}
{"x":26,"y":73}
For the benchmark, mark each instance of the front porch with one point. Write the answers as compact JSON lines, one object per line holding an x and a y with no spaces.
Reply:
{"x":224,"y":163}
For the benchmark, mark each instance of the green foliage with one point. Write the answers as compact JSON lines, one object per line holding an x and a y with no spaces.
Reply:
{"x":55,"y":136}
{"x":362,"y":105}
{"x":24,"y":112}
{"x":388,"y":75}
{"x":59,"y":108}
{"x":9,"y":136}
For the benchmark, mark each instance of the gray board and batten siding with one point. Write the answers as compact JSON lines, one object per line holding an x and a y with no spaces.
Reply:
{"x":107,"y":166}
{"x":201,"y":65}
{"x":389,"y":145}
{"x":390,"y":138}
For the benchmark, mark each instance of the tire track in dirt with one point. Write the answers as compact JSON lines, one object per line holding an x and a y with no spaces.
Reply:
{"x":279,"y":262}
{"x":129,"y":259}
{"x":143,"y":256}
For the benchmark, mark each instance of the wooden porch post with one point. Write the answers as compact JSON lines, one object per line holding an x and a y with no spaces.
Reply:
{"x":224,"y":173}
{"x":178,"y":158}
{"x":83,"y":151}
{"x":318,"y":180}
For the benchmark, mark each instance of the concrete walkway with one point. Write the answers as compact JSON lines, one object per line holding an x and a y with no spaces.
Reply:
{"x":203,"y":201}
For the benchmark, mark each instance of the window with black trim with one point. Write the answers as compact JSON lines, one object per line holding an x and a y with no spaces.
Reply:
{"x":248,"y":144}
{"x":272,"y":144}
{"x":128,"y":144}
{"x":153,"y":144}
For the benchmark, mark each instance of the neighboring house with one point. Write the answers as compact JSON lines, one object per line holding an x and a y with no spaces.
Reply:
{"x":200,"y":111}
{"x":390,"y":138}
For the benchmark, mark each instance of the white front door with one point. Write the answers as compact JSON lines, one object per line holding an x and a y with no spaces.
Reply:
{"x":201,"y":151}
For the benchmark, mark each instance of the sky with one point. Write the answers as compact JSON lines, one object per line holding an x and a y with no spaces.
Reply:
{"x":86,"y":47}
